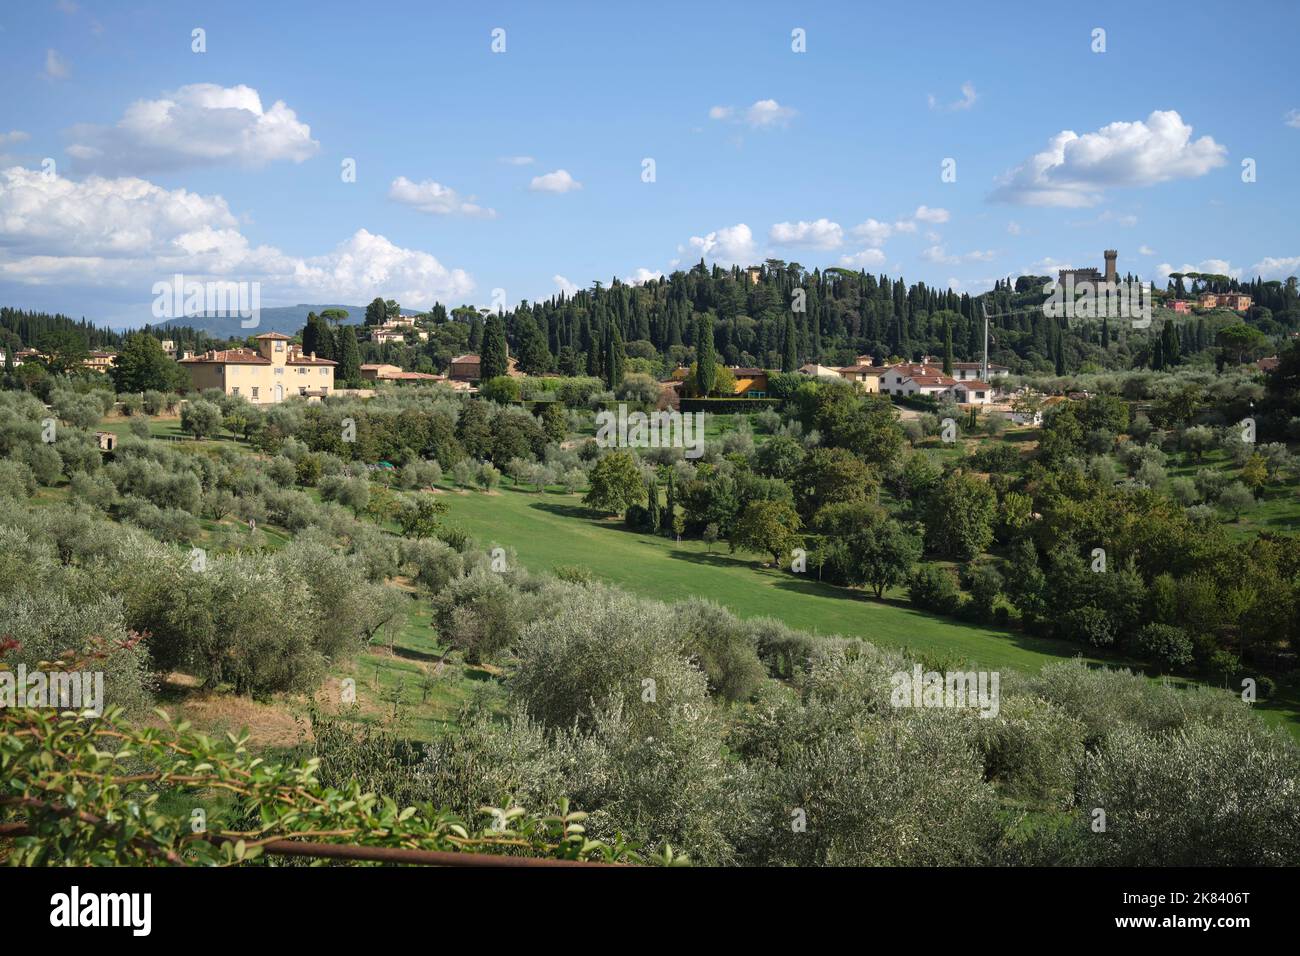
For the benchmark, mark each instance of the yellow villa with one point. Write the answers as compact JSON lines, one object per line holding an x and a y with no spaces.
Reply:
{"x":277,"y":370}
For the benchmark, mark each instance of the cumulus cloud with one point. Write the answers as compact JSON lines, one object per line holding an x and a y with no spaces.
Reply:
{"x":202,"y":124}
{"x":820,"y":234}
{"x":557,"y":182}
{"x":122,"y":235}
{"x":1145,"y":250}
{"x":1292,"y":118}
{"x":643,"y":275}
{"x":926,"y":214}
{"x":1272,"y":267}
{"x":436,"y":199}
{"x":968,"y":98}
{"x":56,"y":68}
{"x":13,"y":136}
{"x":564,"y":285}
{"x":872,"y":231}
{"x":762,"y":114}
{"x":1218,"y":267}
{"x":860,"y":260}
{"x":732,"y":245}
{"x":938,"y":254}
{"x":1076,"y":170}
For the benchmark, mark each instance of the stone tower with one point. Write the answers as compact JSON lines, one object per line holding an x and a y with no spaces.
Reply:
{"x":1111,"y":274}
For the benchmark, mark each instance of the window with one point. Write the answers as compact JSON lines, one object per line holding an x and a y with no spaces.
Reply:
{"x":279,"y":371}
{"x":234,"y":390}
{"x":255,"y":391}
{"x":301,"y":370}
{"x":324,"y":370}
{"x":279,"y":346}
{"x":302,"y":390}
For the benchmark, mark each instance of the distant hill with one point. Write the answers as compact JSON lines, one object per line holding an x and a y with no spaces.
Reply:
{"x":285,"y":319}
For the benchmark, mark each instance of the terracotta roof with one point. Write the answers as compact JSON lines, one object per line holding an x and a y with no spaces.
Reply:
{"x":228,"y":357}
{"x":748,"y":372}
{"x":465,"y":358}
{"x":972,"y":383}
{"x":308,"y":360}
{"x":272,"y":335}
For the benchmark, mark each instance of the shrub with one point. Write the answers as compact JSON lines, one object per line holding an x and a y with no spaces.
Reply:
{"x":1164,"y":645}
{"x":932,"y":589}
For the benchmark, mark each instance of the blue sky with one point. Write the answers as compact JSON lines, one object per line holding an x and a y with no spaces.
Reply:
{"x":227,"y":164}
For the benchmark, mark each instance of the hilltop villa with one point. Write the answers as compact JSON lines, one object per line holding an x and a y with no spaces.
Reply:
{"x":277,"y":370}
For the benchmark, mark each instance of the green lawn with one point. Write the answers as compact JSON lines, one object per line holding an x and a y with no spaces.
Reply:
{"x":548,"y":529}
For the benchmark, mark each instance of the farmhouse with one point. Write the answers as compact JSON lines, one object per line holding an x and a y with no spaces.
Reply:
{"x":866,"y":377}
{"x":381,"y":372}
{"x":813,"y":370}
{"x":465,"y":368}
{"x":973,"y":392}
{"x":278,"y":369}
{"x":917,"y":379}
{"x":750,"y":382}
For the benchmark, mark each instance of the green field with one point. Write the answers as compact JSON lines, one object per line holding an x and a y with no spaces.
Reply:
{"x":546,"y":530}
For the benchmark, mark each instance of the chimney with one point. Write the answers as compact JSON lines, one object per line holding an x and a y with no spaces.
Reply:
{"x":313,"y":356}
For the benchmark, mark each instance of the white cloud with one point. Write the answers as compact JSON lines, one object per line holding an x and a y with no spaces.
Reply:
{"x":938,"y":254}
{"x":968,"y":98}
{"x":1292,"y":118}
{"x":436,"y":199}
{"x":1145,"y":250}
{"x":860,"y":260}
{"x":820,"y":234}
{"x":557,"y":182}
{"x":564,"y":285}
{"x":119,"y":236}
{"x":905,"y":225}
{"x":197,"y":125}
{"x":1076,"y":170}
{"x":518,"y":160}
{"x":1271,"y":267}
{"x":732,"y":245}
{"x":872,"y":231}
{"x":56,"y":68}
{"x":13,"y":136}
{"x":1221,"y":267}
{"x":643,"y":275}
{"x":926,"y":214}
{"x":762,"y":114}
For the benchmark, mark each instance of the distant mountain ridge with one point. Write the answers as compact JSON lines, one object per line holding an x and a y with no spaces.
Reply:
{"x":285,"y":319}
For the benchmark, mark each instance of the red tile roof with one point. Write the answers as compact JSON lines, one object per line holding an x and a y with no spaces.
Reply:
{"x":228,"y":357}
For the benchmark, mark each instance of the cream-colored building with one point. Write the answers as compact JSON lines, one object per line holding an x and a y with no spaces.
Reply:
{"x":276,"y":371}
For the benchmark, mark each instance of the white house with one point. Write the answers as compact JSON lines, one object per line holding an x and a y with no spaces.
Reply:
{"x":918,"y":379}
{"x":970,"y":393}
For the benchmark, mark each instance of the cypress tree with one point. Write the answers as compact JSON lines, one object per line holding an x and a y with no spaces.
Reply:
{"x":947,"y":347}
{"x":706,"y":357}
{"x":652,"y":503}
{"x":493,"y":360}
{"x":670,"y":508}
{"x":790,"y":357}
{"x":349,"y":358}
{"x":615,"y":358}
